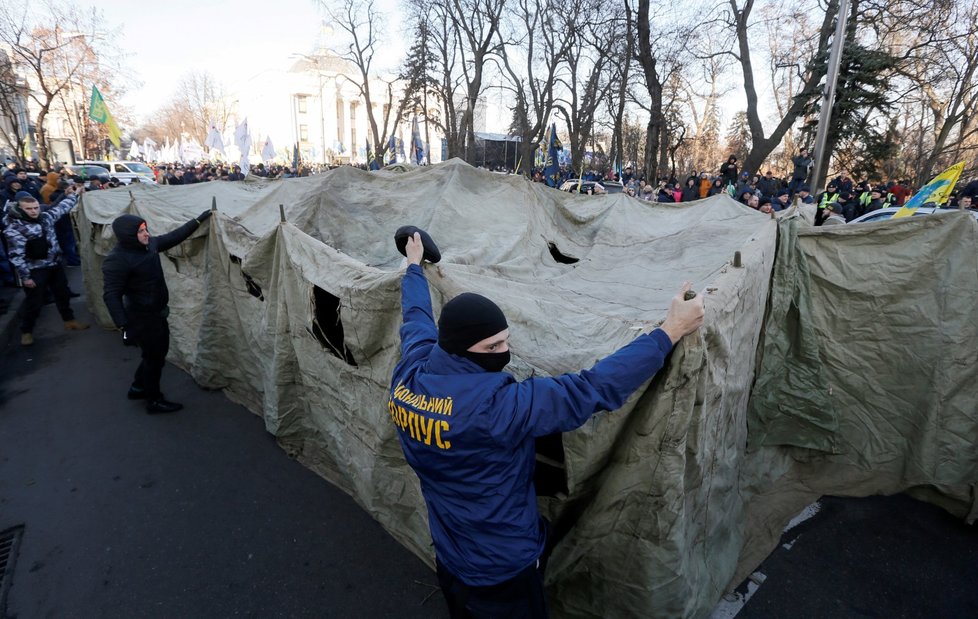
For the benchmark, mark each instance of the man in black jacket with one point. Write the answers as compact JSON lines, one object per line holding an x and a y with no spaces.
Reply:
{"x":803,"y":165}
{"x":137,"y":298}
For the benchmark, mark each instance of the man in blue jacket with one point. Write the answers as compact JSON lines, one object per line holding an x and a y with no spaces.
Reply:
{"x":468,"y":429}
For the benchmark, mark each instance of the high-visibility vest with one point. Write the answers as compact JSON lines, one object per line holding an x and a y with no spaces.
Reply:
{"x":828,"y":198}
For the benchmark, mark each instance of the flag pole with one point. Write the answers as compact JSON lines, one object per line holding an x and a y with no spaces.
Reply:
{"x":828,"y":95}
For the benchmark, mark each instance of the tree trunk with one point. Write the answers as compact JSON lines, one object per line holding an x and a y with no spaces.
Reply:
{"x":653,"y":84}
{"x":762,"y":146}
{"x":41,"y":135}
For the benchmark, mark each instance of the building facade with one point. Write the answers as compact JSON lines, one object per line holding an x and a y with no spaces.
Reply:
{"x":318,"y":105}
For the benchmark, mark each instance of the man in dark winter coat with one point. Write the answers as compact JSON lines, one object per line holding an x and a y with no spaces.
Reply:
{"x":782,"y":201}
{"x":236,"y":174}
{"x":729,"y":171}
{"x":137,"y":298}
{"x":468,"y":430}
{"x":803,"y":165}
{"x":35,"y":254}
{"x":768,"y":185}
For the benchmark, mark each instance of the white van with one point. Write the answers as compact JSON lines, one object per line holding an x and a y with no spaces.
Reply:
{"x":126,"y":171}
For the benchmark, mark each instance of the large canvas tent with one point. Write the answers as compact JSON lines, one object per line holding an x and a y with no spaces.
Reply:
{"x":294,"y":311}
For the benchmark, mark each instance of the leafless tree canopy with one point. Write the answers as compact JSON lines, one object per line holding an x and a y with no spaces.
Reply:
{"x":60,"y":51}
{"x":200,"y":99}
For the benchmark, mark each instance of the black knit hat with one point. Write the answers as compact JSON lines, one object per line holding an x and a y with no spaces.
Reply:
{"x":468,"y":319}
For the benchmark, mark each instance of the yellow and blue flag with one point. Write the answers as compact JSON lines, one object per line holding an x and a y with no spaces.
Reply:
{"x":936,"y":192}
{"x":99,"y":112}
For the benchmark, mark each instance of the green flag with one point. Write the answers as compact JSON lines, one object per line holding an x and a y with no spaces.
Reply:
{"x":96,"y":109}
{"x":99,"y":112}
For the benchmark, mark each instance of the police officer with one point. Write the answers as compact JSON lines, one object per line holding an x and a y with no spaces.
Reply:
{"x":468,"y":430}
{"x":137,"y":298}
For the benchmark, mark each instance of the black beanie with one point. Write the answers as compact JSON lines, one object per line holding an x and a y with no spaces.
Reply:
{"x":468,"y":319}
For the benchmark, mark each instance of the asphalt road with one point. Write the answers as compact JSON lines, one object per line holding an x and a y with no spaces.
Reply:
{"x":200,"y":514}
{"x":882,"y":557}
{"x":192,"y":514}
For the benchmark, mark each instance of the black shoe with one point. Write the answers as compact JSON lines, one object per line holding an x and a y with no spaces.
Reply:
{"x":135,"y":393}
{"x":73,"y":295}
{"x":162,"y":406}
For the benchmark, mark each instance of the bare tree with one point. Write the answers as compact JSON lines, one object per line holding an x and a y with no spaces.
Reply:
{"x":657,"y":66}
{"x":703,"y":110}
{"x":586,"y":82}
{"x":618,"y":94}
{"x":939,"y":114}
{"x":540,"y":46}
{"x":50,"y":55}
{"x":199,"y":100}
{"x":363,"y":28}
{"x":438,"y":61}
{"x":13,"y":95}
{"x":475,"y":26}
{"x":738,"y":19}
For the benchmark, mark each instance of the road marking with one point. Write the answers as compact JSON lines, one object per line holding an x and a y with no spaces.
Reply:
{"x":732,"y":603}
{"x":805,"y":514}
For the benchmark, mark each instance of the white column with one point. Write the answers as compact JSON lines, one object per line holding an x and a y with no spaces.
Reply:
{"x":329,"y":112}
{"x":347,"y":134}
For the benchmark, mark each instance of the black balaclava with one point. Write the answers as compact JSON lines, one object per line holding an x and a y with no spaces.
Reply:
{"x":468,"y":319}
{"x":125,"y":228}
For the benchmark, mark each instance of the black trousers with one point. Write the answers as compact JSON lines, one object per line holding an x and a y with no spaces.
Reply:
{"x":153,"y":334}
{"x":520,"y":597}
{"x":47,"y":277}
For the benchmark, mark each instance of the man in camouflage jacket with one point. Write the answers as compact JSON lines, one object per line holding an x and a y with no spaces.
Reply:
{"x":33,"y":249}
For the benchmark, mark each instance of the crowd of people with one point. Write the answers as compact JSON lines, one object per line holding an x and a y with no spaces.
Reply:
{"x":843,"y":199}
{"x":844,"y":196}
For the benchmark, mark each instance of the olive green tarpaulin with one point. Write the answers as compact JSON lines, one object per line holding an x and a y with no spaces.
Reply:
{"x":867,"y":378}
{"x":657,"y":506}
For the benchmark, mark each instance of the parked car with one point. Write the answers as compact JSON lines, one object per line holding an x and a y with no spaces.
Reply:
{"x":125,"y":171}
{"x":887,"y":213}
{"x":576,"y":185}
{"x":87,"y":172}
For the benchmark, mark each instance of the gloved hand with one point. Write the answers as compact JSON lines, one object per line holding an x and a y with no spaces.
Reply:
{"x":128,"y":339}
{"x":203,"y":216}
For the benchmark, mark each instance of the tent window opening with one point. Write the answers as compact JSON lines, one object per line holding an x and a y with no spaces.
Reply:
{"x":327,"y":327}
{"x":560,"y":257}
{"x":253,"y":288}
{"x":550,"y":475}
